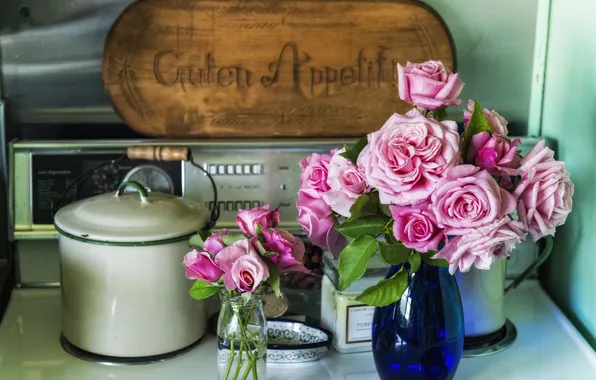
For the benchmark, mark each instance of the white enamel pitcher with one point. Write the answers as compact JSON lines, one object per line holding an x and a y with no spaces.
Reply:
{"x":483,"y":293}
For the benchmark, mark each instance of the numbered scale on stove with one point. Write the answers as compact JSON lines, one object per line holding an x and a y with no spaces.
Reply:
{"x":152,"y":178}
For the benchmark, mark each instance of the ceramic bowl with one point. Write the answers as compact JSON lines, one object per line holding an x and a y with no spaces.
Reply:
{"x":292,"y":342}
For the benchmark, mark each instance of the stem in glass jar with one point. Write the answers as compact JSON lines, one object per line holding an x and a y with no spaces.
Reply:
{"x":249,"y":367}
{"x":255,"y":375}
{"x":231,"y":360}
{"x":240,"y":360}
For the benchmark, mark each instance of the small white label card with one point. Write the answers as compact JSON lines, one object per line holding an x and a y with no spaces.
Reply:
{"x":359,"y":323}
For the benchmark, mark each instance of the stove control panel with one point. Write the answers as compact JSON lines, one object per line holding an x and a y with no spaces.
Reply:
{"x":247,"y":178}
{"x":246,"y":175}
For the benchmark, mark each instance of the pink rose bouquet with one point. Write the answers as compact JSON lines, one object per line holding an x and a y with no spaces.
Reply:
{"x":243,"y":263}
{"x":419,"y":189}
{"x":238,"y":266}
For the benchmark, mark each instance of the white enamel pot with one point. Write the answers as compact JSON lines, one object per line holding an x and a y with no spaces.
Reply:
{"x":124,"y":292}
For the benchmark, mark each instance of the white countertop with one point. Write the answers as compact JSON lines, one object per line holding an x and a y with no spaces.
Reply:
{"x":547,"y":348}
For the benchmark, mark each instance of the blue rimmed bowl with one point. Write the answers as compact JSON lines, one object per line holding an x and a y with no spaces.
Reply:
{"x":294,"y":342}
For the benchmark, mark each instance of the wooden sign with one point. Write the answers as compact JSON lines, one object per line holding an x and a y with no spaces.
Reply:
{"x":193,"y":68}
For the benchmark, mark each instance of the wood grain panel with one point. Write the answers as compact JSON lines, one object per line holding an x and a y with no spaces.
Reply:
{"x":192,"y":68}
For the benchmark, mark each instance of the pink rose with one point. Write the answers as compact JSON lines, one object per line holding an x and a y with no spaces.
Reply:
{"x":497,"y":154}
{"x":306,"y":161}
{"x":346,"y":183}
{"x":290,"y":250}
{"x":247,"y":220}
{"x":317,"y":221}
{"x":315,"y":173}
{"x":416,"y":227}
{"x":496,"y":121}
{"x":214,"y":243}
{"x":429,"y":85}
{"x":200,"y":266}
{"x":243,"y":269}
{"x":406,"y":158}
{"x":482,"y":246}
{"x":469,"y":198}
{"x":544,"y":192}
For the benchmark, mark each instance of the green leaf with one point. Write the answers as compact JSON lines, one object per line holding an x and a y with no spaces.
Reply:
{"x":196,"y":241}
{"x":385,"y":292}
{"x":269,"y":254}
{"x":231,"y":239}
{"x":395,"y":253}
{"x":260,"y":248}
{"x":366,"y":204}
{"x":426,"y":257}
{"x":478,"y":123}
{"x":353,"y":152}
{"x":246,"y":296}
{"x":354,"y":258}
{"x":514,"y":216}
{"x":440,"y":114}
{"x":258,"y":231}
{"x":202,"y":289}
{"x":415,"y":261}
{"x":389,"y":237}
{"x":366,"y":225}
{"x":385,"y":210}
{"x":273,"y":279}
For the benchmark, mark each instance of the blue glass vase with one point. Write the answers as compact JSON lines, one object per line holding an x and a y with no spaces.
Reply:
{"x":421,"y":336}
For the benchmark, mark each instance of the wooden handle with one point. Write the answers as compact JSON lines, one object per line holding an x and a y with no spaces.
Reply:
{"x":157,"y":153}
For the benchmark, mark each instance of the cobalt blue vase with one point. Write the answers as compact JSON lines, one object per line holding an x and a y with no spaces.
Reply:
{"x":421,"y":336}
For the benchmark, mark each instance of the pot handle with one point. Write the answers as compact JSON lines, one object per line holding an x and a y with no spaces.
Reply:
{"x":538,"y":262}
{"x":135,"y":185}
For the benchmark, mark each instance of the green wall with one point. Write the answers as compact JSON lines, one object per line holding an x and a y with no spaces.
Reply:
{"x":494,"y":43}
{"x":569,"y":115}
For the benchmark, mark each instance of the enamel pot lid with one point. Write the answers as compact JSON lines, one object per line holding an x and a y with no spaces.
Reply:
{"x":131,"y":218}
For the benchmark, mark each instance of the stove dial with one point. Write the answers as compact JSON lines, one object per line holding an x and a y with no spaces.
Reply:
{"x":152,"y":178}
{"x":105,"y":179}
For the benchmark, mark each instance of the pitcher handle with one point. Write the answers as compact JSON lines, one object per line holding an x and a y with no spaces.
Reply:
{"x":538,"y":262}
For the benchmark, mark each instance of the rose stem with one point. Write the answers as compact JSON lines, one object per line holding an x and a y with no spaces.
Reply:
{"x":232,"y":353}
{"x":255,"y":374}
{"x":251,"y":356}
{"x":251,"y":366}
{"x":240,"y":360}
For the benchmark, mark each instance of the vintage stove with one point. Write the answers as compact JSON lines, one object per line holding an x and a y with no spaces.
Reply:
{"x":246,"y":174}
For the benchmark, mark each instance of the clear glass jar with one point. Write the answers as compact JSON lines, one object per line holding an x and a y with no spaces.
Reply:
{"x":241,"y":338}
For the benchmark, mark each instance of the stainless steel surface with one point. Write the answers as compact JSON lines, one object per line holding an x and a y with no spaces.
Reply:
{"x":3,"y":152}
{"x":112,"y":361}
{"x":39,"y":285}
{"x":56,"y":45}
{"x":4,"y":204}
{"x":277,"y":185}
{"x":38,"y":263}
{"x":6,"y":257}
{"x":495,"y":347}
